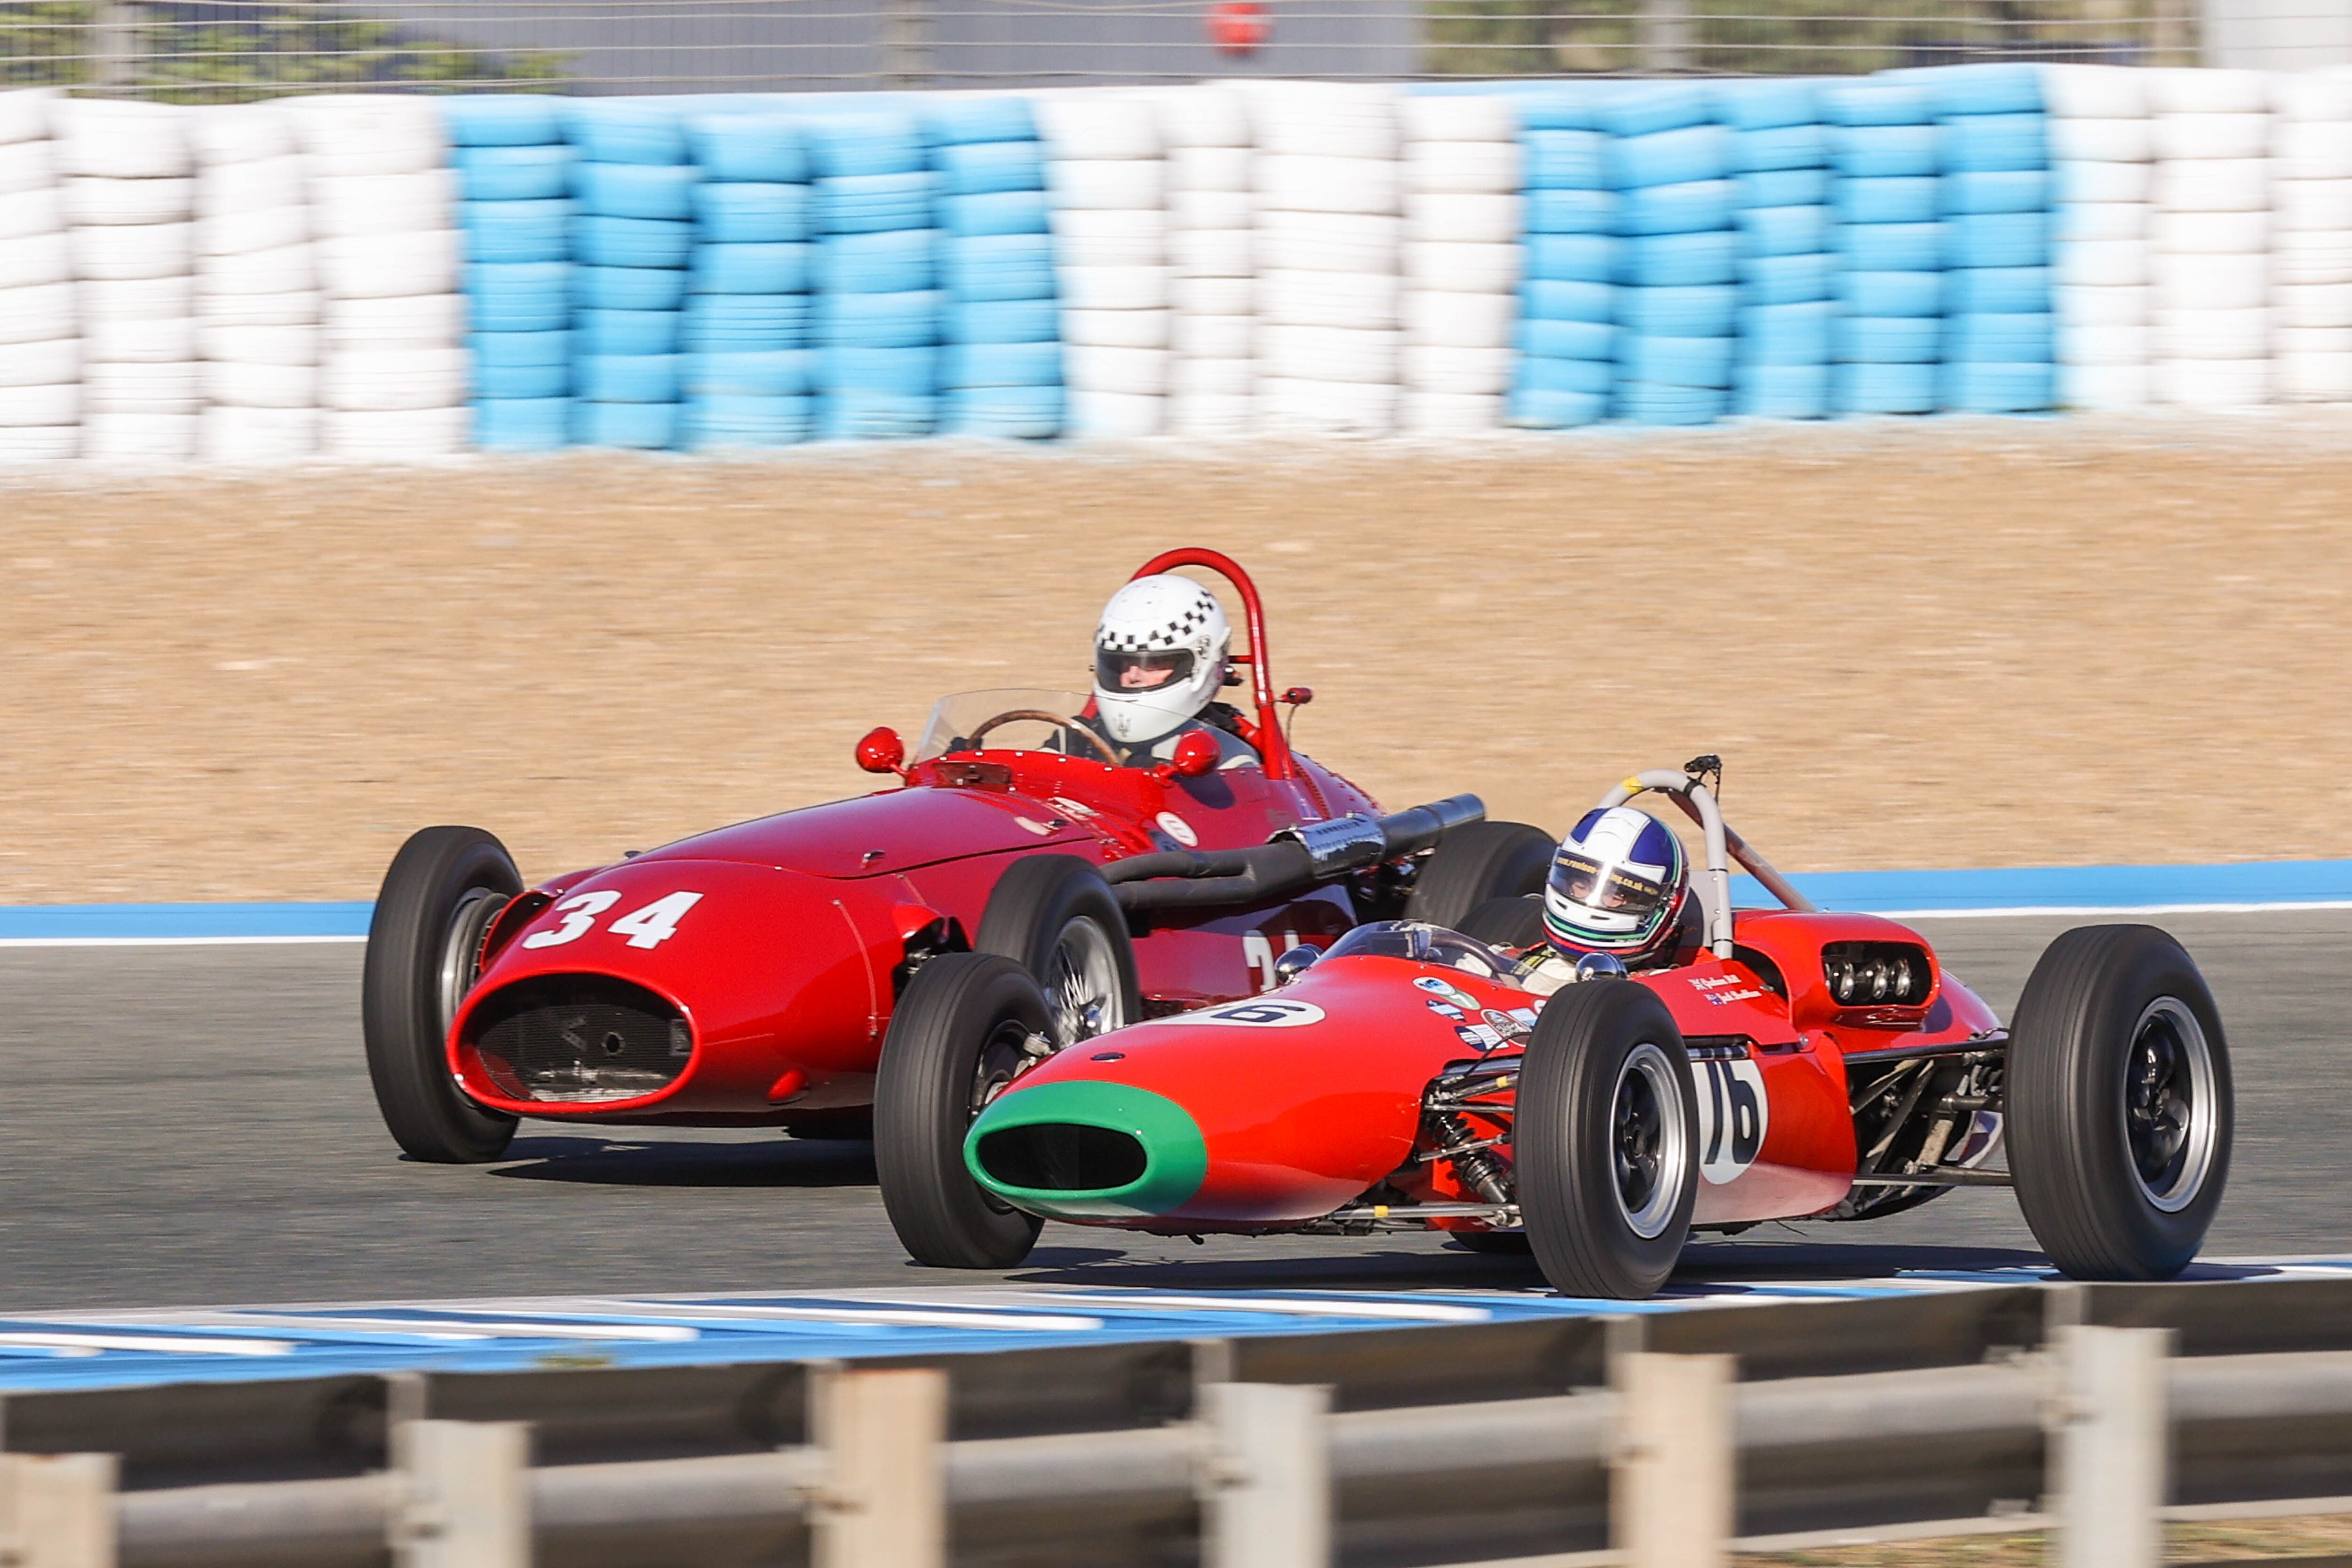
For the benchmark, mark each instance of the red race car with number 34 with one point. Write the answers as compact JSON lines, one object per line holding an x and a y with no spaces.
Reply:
{"x":751,"y":976}
{"x":1781,"y":1064}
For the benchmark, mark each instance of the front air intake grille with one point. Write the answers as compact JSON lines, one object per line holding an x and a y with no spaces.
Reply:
{"x":1062,"y":1156}
{"x":578,"y":1039}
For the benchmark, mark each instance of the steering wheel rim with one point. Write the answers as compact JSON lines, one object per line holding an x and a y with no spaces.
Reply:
{"x":1102,"y":747}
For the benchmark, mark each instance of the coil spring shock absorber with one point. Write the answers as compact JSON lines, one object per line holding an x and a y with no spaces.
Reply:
{"x":1480,"y":1169}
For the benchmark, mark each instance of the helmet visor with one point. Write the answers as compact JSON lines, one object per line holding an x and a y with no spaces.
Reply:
{"x":1607,"y":888}
{"x":1143,"y":669}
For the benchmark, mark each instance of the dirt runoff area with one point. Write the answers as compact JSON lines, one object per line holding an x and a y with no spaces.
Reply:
{"x":1943,"y":644}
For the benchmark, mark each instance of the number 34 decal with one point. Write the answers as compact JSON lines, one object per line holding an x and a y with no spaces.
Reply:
{"x":650,"y":926}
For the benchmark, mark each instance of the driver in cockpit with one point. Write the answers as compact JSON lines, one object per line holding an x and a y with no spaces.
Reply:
{"x":1161,"y":658}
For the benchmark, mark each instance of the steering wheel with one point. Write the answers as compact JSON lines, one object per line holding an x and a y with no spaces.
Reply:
{"x":1040,"y":715}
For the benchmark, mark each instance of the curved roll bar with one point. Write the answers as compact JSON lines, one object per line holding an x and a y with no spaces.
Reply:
{"x":1723,"y":845}
{"x":1273,"y":746}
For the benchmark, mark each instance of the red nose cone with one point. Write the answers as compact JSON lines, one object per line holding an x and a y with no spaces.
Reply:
{"x":1239,"y":27}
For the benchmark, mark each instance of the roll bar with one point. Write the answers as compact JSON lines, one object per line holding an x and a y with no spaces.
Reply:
{"x":1723,"y":845}
{"x":1273,"y":746}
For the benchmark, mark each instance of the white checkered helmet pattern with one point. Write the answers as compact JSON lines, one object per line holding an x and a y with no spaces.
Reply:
{"x":1160,"y":657}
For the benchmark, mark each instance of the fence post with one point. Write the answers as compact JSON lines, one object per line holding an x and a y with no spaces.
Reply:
{"x":1666,"y":36}
{"x":906,"y":43}
{"x":885,"y":1500}
{"x":2111,"y":1427}
{"x":467,"y":1498}
{"x":57,"y":1511}
{"x":1266,"y":1487}
{"x":1671,"y":1500}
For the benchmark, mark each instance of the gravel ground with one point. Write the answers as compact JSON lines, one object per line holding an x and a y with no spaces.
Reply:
{"x":2317,"y":1541}
{"x":1953,"y":642}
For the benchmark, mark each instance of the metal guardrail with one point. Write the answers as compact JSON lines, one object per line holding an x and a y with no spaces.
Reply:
{"x":1380,"y":1448}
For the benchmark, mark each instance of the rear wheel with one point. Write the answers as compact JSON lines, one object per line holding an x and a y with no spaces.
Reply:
{"x":1475,"y":863}
{"x":1515,"y":921}
{"x":423,"y":950}
{"x":1056,"y":915}
{"x":965,"y":1025}
{"x":1605,"y":1138}
{"x":2119,"y":1105}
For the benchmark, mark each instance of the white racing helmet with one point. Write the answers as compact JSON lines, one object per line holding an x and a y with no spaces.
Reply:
{"x":1159,"y":656}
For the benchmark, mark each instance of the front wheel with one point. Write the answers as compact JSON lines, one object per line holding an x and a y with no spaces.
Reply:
{"x":1055,"y":916}
{"x":1605,"y":1136}
{"x":965,"y":1025}
{"x":424,"y":948}
{"x":2117,"y":1103}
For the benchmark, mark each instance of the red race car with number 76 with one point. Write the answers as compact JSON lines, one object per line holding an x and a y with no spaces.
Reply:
{"x":1141,"y":851}
{"x":1598,"y":1070}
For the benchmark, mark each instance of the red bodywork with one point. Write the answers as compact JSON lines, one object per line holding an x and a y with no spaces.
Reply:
{"x":1300,"y":1119}
{"x":796,"y":929}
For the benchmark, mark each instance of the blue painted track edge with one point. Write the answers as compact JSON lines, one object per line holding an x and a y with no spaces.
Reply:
{"x":2024,"y":890}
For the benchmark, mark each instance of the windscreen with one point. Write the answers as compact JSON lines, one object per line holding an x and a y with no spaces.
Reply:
{"x":955,"y":720}
{"x":1423,"y":944}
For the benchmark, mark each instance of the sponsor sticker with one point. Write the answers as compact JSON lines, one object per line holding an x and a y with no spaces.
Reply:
{"x":1436,"y":986}
{"x":1177,"y":827}
{"x":1038,"y":827}
{"x":1724,"y":998}
{"x":1479,"y":1037}
{"x":1070,"y":808}
{"x":1444,"y":1010}
{"x":1503,"y":1023}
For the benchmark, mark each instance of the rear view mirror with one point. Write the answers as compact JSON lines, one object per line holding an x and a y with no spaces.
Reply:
{"x":881,"y":751}
{"x":1197,"y":754}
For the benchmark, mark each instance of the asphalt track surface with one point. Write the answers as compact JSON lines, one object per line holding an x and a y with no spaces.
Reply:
{"x":187,"y":1126}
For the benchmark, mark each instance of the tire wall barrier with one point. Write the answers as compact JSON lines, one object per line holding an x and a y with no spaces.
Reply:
{"x":393,"y":275}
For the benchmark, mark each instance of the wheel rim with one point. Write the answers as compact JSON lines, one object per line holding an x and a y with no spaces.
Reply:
{"x":1648,"y":1153}
{"x":1002,"y":1056}
{"x":1082,"y":984}
{"x":461,"y":947}
{"x":2170,"y":1118}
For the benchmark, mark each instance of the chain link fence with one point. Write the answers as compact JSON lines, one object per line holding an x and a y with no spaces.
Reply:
{"x":224,"y":50}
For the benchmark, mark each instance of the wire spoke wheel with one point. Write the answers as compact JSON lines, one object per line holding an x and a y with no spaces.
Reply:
{"x":2168,"y":1109}
{"x":1082,"y":984}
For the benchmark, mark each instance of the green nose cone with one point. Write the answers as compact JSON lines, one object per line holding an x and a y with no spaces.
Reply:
{"x":1086,"y":1150}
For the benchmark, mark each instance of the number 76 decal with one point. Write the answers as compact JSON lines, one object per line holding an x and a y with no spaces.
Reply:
{"x":650,"y":926}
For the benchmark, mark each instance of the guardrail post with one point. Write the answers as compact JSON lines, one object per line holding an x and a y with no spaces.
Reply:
{"x":1671,"y":1500}
{"x":1266,"y":1488}
{"x":57,"y":1511}
{"x":885,"y":1500}
{"x":467,"y":1502}
{"x":2107,"y":1448}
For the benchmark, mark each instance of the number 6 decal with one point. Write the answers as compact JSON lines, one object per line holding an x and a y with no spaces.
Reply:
{"x":648,"y":927}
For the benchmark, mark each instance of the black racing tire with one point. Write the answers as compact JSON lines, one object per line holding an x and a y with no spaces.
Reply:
{"x":1515,"y":921}
{"x":438,"y":898}
{"x":1475,"y":863}
{"x":1056,"y":917}
{"x":1606,"y":1072}
{"x":955,"y":1037}
{"x":2119,"y":1104}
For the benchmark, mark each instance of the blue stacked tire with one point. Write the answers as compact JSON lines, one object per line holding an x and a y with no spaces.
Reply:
{"x":1884,"y":145}
{"x":1787,"y":229}
{"x":633,"y":186}
{"x":877,"y":305}
{"x":746,"y":370}
{"x":514,"y":176}
{"x":1670,"y":163}
{"x":1566,"y":333}
{"x":1001,"y":371}
{"x":1995,"y":194}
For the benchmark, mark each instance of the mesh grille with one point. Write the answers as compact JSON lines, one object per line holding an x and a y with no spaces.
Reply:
{"x":578,"y":1038}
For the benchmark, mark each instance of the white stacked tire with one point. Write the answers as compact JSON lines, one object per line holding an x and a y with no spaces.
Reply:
{"x":1107,"y":180}
{"x":1330,"y":224}
{"x":1465,"y":218}
{"x":1211,"y":213}
{"x":2310,"y":239}
{"x":392,"y":363}
{"x":40,"y":346}
{"x":2102,"y":157}
{"x":127,"y":176}
{"x":257,"y":298}
{"x":2210,"y":254}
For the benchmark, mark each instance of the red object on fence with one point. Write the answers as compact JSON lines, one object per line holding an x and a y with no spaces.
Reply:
{"x":1239,"y":27}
